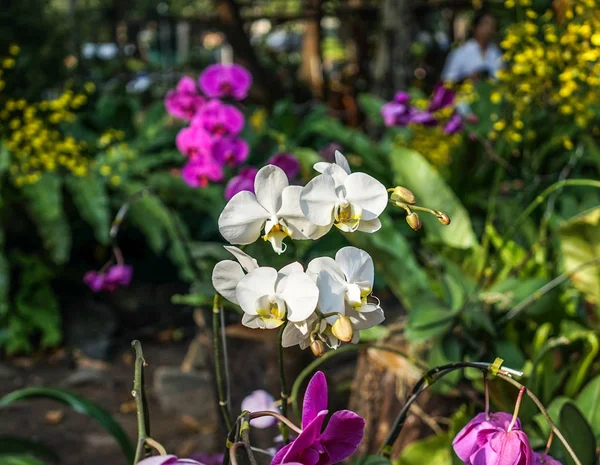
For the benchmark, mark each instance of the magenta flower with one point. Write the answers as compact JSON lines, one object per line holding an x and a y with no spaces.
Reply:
{"x":201,"y":171}
{"x":206,"y":459}
{"x":398,"y":112}
{"x":339,"y":439}
{"x":219,"y":119}
{"x":231,"y":151}
{"x":242,"y":182}
{"x":218,"y":81}
{"x":442,"y":97}
{"x":167,"y":460}
{"x":194,"y":142}
{"x":260,"y":400}
{"x":287,"y":162}
{"x":544,"y":459}
{"x":425,"y":118}
{"x":490,"y":442}
{"x":184,"y":101}
{"x":116,"y":276}
{"x":454,"y":124}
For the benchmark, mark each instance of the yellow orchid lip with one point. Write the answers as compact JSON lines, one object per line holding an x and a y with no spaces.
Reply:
{"x":347,"y":216}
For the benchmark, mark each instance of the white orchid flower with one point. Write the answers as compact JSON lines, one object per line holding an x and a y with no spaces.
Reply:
{"x":275,"y":208}
{"x":344,"y":287}
{"x":350,"y":201}
{"x":227,"y":273}
{"x":300,"y":333}
{"x":267,"y":296}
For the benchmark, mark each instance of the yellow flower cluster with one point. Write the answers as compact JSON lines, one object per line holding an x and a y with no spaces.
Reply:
{"x":36,"y":143}
{"x":113,"y":163}
{"x":8,"y":62}
{"x":434,"y":144}
{"x":552,"y":62}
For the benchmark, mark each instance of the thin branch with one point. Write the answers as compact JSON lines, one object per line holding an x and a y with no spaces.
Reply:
{"x":284,"y":392}
{"x":221,"y":389}
{"x":138,"y":394}
{"x":281,"y":418}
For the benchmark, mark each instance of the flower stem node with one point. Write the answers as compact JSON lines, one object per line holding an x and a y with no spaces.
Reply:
{"x":402,"y":194}
{"x":317,"y":347}
{"x":444,"y":219}
{"x":414,"y":221}
{"x":342,"y":329}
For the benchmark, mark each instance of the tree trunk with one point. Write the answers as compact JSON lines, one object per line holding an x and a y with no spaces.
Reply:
{"x":392,"y":67}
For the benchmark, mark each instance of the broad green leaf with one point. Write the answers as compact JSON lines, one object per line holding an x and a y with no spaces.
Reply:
{"x":428,"y":320}
{"x":153,"y":120}
{"x":371,"y":105}
{"x":588,"y":402}
{"x":21,"y":446}
{"x":414,"y":172}
{"x":45,"y":205}
{"x":578,"y":434}
{"x":553,"y":411}
{"x":80,"y":405}
{"x":434,"y":450}
{"x":372,"y":460}
{"x":374,"y":333}
{"x":19,"y":460}
{"x":91,"y":199}
{"x":511,"y":291}
{"x":580,"y":243}
{"x":445,"y":350}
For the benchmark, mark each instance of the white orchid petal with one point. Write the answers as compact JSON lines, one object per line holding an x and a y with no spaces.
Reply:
{"x":295,"y":267}
{"x":356,"y":264}
{"x":368,"y":307}
{"x":252,"y":321}
{"x":291,"y":214}
{"x":242,"y":219}
{"x":254,"y":285}
{"x":366,"y":320}
{"x":340,"y":160}
{"x":276,"y":240}
{"x":352,"y":296}
{"x":248,"y":263}
{"x":269,"y":183}
{"x":318,"y":199}
{"x":370,"y":226}
{"x":225,"y":277}
{"x":327,"y":264}
{"x":331,"y":295}
{"x":300,"y":294}
{"x":321,"y":166}
{"x":338,"y":174}
{"x":368,"y":193}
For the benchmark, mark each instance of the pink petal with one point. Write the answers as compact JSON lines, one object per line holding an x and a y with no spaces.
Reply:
{"x":298,"y":448}
{"x":315,"y":398}
{"x":342,"y":435}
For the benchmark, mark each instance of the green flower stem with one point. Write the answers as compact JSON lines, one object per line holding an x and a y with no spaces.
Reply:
{"x":281,"y":418}
{"x":544,"y":412}
{"x":217,"y":350}
{"x":284,"y":392}
{"x":535,"y":296}
{"x":233,"y":452}
{"x":143,"y":418}
{"x":245,"y":436}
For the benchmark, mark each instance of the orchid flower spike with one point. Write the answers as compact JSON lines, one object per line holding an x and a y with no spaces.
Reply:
{"x":268,"y":296}
{"x":275,"y":208}
{"x":350,"y":201}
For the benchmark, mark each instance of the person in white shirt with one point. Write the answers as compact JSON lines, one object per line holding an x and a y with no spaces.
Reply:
{"x":477,"y":57}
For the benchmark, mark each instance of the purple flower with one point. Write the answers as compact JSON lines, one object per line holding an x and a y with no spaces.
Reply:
{"x":454,"y":124}
{"x":339,"y":439}
{"x":244,"y":181}
{"x":206,"y":459}
{"x":503,"y":448}
{"x":259,"y":401}
{"x":184,"y":101}
{"x":544,"y":459}
{"x":328,"y":151}
{"x":287,"y":162}
{"x":219,"y":81}
{"x":231,"y":151}
{"x":167,"y":460}
{"x":425,"y":118}
{"x":115,"y":277}
{"x":478,"y":432}
{"x":219,"y":119}
{"x":194,"y":142}
{"x":397,"y":112}
{"x":442,"y":97}
{"x":200,"y":171}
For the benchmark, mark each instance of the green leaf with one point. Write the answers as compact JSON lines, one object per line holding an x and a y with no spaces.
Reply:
{"x":91,"y":199}
{"x":45,"y":205}
{"x":371,"y":105}
{"x":553,"y":411}
{"x":588,"y":402}
{"x":374,"y":333}
{"x":20,"y":446}
{"x":19,"y":460}
{"x":372,"y":460}
{"x":580,"y":243}
{"x":428,"y":320}
{"x":307,"y":157}
{"x":578,"y":434}
{"x":443,"y":351}
{"x":414,"y":172}
{"x":80,"y":405}
{"x":434,"y":450}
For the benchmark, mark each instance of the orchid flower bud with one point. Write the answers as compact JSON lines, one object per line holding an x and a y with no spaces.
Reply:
{"x":414,"y":221}
{"x":402,"y":194}
{"x":317,"y":347}
{"x":342,"y":329}
{"x":444,"y":219}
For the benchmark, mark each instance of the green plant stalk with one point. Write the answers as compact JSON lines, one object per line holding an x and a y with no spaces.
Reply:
{"x":138,"y":393}
{"x":284,"y":392}
{"x":221,"y":389}
{"x":489,"y":220}
{"x":245,"y":436}
{"x":521,"y":306}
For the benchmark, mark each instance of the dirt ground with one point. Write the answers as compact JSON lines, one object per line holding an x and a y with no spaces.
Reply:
{"x":77,"y":438}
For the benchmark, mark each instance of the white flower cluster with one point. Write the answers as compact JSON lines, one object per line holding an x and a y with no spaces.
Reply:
{"x":327,"y":302}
